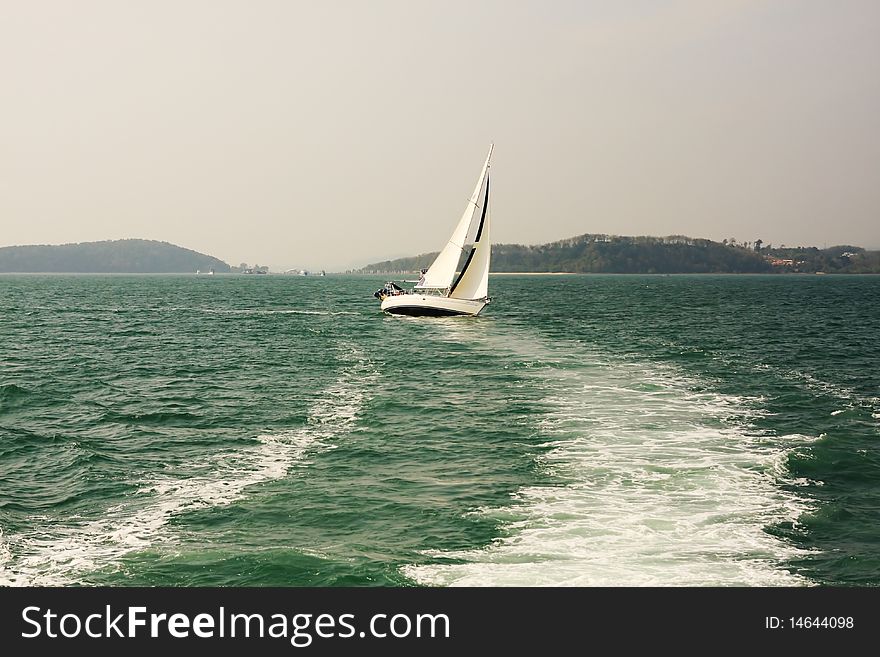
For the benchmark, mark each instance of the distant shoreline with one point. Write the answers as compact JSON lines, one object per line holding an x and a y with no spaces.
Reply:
{"x":621,"y":254}
{"x":391,"y":275}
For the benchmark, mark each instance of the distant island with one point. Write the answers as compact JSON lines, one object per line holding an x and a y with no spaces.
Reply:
{"x":131,"y":256}
{"x":676,"y":254}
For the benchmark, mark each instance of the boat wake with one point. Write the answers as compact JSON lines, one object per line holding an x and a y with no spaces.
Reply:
{"x":660,"y":483}
{"x":56,"y":554}
{"x":262,"y":311}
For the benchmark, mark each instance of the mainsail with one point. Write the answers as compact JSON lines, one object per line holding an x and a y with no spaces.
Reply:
{"x":442,"y":270}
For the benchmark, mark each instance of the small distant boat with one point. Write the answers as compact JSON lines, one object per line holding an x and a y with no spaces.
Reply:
{"x":439,"y":292}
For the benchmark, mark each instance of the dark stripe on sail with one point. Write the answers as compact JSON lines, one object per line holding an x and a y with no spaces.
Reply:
{"x":483,"y":217}
{"x":463,"y":270}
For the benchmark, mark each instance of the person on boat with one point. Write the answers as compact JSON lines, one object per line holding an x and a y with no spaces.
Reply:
{"x":392,"y":289}
{"x":422,"y":277}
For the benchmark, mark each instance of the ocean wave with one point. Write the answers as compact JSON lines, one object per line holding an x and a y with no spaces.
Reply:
{"x":58,"y":554}
{"x":10,"y":393}
{"x":158,"y":418}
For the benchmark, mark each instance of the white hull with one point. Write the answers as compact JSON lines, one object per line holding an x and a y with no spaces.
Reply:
{"x":425,"y":304}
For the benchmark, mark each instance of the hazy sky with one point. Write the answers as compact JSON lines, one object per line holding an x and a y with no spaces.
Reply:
{"x":329,"y":134}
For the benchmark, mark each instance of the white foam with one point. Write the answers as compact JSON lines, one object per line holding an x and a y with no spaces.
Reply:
{"x":256,"y":311}
{"x":57,"y":555}
{"x":5,"y":552}
{"x":659,"y":485}
{"x":211,"y":311}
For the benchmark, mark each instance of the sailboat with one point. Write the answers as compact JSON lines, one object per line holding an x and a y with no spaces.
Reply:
{"x":443,"y":288}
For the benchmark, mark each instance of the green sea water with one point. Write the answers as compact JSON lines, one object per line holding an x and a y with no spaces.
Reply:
{"x":585,"y":430}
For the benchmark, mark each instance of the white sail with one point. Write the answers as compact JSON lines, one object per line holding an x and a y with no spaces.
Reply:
{"x":473,"y":282}
{"x":442,"y":270}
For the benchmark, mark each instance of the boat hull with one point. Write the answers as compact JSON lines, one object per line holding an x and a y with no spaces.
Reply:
{"x":431,"y":306}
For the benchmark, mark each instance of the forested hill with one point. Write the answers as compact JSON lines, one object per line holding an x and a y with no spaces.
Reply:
{"x":117,"y":256}
{"x":657,"y":255}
